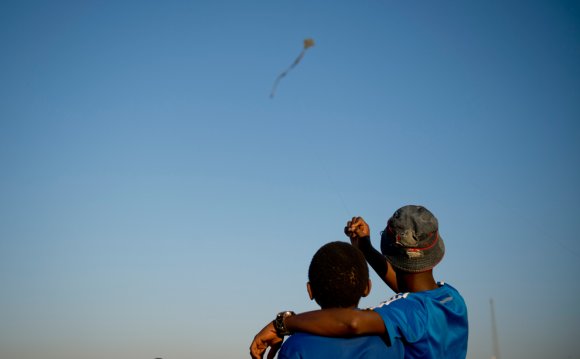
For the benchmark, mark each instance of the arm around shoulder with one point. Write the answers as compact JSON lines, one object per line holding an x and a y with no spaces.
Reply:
{"x":337,"y":322}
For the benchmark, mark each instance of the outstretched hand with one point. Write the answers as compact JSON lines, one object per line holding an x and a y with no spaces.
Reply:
{"x":267,"y":337}
{"x":356,"y":229}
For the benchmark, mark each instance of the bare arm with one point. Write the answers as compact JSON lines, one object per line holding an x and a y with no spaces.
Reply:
{"x":335,"y":322}
{"x":378,"y":262}
{"x":359,"y":233}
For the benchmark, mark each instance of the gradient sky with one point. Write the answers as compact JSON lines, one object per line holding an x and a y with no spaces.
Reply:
{"x":155,"y":202}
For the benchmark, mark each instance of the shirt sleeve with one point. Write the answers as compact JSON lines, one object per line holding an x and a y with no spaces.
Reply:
{"x":404,"y":319}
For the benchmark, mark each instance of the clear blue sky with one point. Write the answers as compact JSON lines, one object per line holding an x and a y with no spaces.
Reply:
{"x":155,"y":202}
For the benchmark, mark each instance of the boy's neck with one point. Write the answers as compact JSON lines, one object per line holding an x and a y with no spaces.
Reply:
{"x":416,"y":282}
{"x":351,"y":307}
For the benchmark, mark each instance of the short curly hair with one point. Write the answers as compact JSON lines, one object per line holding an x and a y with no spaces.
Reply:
{"x":338,"y":275}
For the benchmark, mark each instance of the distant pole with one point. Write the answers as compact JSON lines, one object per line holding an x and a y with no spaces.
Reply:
{"x":494,"y":332}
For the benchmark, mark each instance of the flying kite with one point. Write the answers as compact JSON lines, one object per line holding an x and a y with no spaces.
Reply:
{"x":308,"y":43}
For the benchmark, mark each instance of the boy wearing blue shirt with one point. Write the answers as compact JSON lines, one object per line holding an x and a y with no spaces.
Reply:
{"x":337,"y":278}
{"x":429,"y":318}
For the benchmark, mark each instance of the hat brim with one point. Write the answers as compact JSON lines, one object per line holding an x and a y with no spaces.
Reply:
{"x":414,"y":262}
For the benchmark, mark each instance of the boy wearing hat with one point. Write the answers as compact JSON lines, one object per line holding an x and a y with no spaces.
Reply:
{"x":338,"y":277}
{"x":430,"y":318}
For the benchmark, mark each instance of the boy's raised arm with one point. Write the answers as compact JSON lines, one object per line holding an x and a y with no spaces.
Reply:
{"x":335,"y":322}
{"x":359,"y":233}
{"x":378,"y":262}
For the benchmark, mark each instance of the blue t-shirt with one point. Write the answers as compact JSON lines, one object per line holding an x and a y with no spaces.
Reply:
{"x":431,"y":324}
{"x":303,"y":345}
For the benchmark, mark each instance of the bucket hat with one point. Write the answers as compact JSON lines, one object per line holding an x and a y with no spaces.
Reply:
{"x":411,"y":240}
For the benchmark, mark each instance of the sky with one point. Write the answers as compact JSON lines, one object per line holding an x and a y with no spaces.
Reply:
{"x":155,"y":202}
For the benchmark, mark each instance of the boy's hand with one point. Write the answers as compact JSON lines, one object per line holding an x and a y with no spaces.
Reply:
{"x":267,"y":337}
{"x":356,"y":229}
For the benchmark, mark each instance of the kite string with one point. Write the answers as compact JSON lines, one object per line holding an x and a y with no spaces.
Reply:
{"x":332,"y":182}
{"x":335,"y":188}
{"x":308,"y":43}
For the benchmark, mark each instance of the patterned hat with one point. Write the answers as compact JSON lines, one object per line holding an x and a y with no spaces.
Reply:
{"x":411,"y":241}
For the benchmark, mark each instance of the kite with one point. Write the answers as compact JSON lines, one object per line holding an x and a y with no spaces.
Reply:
{"x":308,"y":43}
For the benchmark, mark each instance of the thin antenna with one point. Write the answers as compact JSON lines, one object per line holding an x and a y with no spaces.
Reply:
{"x":494,"y":332}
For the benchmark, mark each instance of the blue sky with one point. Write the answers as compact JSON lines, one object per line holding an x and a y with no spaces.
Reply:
{"x":155,"y":202}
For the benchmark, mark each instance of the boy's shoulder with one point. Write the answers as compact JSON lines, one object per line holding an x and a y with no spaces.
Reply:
{"x":444,"y":293}
{"x":304,"y":345}
{"x":412,"y":316}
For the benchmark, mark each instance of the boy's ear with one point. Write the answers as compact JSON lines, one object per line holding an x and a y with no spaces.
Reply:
{"x":368,"y":288}
{"x":309,"y":290}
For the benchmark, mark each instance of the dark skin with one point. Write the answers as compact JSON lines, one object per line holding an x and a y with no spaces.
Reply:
{"x":359,"y":233}
{"x":343,"y":322}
